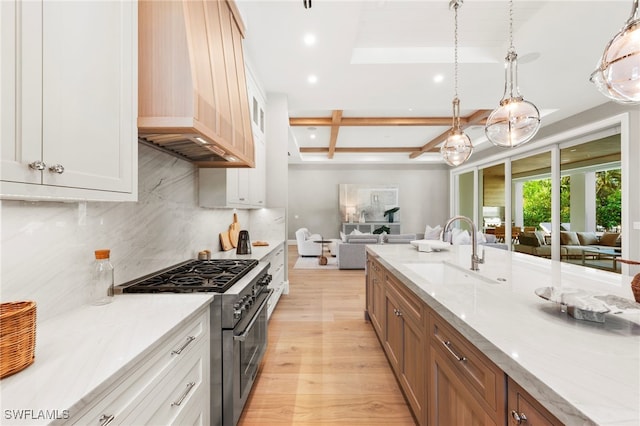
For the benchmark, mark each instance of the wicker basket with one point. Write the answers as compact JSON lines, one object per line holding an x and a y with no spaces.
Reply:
{"x":17,"y":336}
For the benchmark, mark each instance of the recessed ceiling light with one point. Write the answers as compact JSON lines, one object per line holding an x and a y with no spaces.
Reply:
{"x":312,"y":79}
{"x":438,"y":78}
{"x":312,"y":136}
{"x":309,"y":39}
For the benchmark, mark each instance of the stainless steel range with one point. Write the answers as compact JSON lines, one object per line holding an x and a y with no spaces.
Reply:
{"x":238,"y":322}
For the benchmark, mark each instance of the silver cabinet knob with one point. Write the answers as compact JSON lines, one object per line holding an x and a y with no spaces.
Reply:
{"x":57,"y":168}
{"x":38,"y":165}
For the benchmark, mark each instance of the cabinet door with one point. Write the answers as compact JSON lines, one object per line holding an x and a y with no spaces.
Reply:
{"x":394,"y":335}
{"x":412,"y":377}
{"x":451,"y":403}
{"x":20,"y":90}
{"x":257,"y":176}
{"x":377,"y":301}
{"x":88,"y":103}
{"x":523,"y":409}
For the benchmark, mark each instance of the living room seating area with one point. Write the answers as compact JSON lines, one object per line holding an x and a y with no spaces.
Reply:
{"x":572,"y":244}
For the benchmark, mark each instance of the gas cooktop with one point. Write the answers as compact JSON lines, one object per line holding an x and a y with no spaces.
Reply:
{"x":214,"y":275}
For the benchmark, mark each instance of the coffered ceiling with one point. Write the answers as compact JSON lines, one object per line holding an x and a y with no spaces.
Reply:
{"x":377,"y":62}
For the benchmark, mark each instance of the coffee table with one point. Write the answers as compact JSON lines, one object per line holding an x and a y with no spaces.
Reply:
{"x":322,"y":260}
{"x":612,"y":254}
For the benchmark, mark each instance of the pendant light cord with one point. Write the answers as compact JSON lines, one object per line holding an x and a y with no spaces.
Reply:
{"x":511,"y":47}
{"x":456,"y":102}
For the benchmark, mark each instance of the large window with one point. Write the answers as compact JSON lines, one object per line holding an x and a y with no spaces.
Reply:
{"x":591,"y":202}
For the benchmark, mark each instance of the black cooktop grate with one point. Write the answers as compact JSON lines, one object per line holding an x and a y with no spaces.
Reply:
{"x":215,"y":275}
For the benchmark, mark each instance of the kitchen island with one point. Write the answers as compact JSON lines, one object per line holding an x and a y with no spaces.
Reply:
{"x":581,"y":372}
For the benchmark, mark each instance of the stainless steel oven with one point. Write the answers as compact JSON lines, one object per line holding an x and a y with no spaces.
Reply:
{"x":238,"y":322}
{"x":243,"y":348}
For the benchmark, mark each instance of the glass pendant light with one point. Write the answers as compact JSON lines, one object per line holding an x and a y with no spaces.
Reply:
{"x":618,"y":72}
{"x":457,"y":148}
{"x":515,"y":121}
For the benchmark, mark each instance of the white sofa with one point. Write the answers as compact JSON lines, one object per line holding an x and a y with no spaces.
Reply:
{"x":306,"y":245}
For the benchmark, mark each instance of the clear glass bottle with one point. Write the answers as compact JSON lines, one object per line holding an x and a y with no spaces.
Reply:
{"x":102,"y":279}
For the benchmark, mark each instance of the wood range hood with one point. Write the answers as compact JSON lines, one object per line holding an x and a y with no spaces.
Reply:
{"x":192,"y":92}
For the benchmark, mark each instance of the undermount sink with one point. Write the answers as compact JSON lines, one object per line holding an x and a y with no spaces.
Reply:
{"x":444,"y":272}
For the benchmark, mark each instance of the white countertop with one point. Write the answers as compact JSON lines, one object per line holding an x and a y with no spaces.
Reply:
{"x":583,"y":372}
{"x":257,"y":252}
{"x":81,"y":353}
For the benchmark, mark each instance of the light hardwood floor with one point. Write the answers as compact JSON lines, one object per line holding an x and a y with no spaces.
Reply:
{"x":324,"y":364}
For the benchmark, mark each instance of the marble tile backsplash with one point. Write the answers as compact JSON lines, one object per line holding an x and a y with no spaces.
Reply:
{"x":46,"y":248}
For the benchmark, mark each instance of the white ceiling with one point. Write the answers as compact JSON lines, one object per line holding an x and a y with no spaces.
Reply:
{"x":378,"y":58}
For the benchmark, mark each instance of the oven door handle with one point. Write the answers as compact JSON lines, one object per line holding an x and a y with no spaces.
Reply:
{"x":242,"y":337}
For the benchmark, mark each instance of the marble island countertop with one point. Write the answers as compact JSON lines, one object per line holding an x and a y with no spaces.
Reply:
{"x":583,"y":372}
{"x":81,"y":353}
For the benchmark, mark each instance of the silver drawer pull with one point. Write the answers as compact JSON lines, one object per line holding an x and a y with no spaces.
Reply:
{"x":518,"y":418}
{"x":190,"y":386}
{"x":105,"y":419}
{"x":183,"y":347}
{"x":447,"y":345}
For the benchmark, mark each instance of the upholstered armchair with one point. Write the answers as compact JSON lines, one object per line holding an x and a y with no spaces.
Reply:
{"x":306,"y":245}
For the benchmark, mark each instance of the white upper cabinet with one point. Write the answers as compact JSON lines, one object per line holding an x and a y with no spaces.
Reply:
{"x":69,"y":100}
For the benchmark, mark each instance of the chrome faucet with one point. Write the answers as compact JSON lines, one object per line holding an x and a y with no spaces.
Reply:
{"x":475,"y":260}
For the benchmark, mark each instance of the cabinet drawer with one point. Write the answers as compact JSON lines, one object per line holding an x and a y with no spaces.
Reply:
{"x":483,"y":377}
{"x":123,"y":397}
{"x":183,"y":384}
{"x":409,"y":304}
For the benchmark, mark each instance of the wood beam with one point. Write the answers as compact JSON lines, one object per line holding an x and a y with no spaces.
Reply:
{"x":336,"y":118}
{"x":431,"y":144}
{"x":371,"y":121}
{"x":317,"y":150}
{"x":478,"y":117}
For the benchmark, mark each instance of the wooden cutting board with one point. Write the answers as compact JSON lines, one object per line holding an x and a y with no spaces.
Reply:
{"x":234,"y":231}
{"x":225,"y":242}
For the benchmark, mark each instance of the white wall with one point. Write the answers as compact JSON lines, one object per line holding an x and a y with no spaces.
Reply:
{"x":47,"y":247}
{"x":314,"y":195}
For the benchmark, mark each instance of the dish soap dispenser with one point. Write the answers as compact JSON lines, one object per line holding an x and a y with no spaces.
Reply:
{"x":102,"y":279}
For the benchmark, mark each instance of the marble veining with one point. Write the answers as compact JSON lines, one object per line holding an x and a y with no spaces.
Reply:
{"x":46,"y":248}
{"x":583,"y":372}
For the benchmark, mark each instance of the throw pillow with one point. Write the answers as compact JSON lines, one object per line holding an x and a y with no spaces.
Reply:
{"x":587,"y":238}
{"x":480,"y":237}
{"x":529,"y":239}
{"x":432,"y":233}
{"x":460,"y":237}
{"x":609,"y":239}
{"x":540,"y":236}
{"x":343,"y":237}
{"x":568,"y":238}
{"x":355,"y":232}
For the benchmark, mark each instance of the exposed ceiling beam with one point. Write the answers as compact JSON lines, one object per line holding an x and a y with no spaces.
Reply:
{"x":371,"y":121}
{"x":317,"y":150}
{"x":336,"y":118}
{"x":478,"y":117}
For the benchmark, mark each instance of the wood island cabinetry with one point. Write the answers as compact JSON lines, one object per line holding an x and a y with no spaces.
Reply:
{"x":399,"y":321}
{"x":523,"y":409}
{"x":445,"y":379}
{"x":464,"y":386}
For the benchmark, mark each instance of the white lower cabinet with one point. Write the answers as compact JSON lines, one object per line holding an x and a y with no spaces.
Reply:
{"x":278,"y":277}
{"x":169,"y":386}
